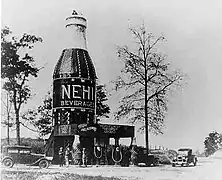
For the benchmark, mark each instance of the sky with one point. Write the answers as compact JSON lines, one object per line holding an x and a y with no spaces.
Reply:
{"x":194,"y":45}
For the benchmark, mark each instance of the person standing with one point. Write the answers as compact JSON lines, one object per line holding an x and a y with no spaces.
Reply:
{"x":67,"y":154}
{"x":61,"y":157}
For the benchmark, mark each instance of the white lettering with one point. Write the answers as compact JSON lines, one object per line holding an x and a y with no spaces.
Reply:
{"x":71,"y":102}
{"x":75,"y":91}
{"x":65,"y":91}
{"x":78,"y":103}
{"x":84,"y":91}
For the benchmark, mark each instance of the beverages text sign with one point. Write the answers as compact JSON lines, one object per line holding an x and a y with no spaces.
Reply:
{"x":75,"y":93}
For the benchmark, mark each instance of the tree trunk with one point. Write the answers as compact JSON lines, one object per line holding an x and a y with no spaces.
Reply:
{"x":146,"y":110}
{"x":146,"y":121}
{"x":8,"y":118}
{"x":17,"y":122}
{"x":8,"y":132}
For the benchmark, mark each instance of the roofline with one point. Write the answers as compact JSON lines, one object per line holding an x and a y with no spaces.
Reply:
{"x":185,"y":149}
{"x":116,"y":124}
{"x":17,"y":146}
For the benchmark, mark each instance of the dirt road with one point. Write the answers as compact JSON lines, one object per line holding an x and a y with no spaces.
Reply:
{"x":206,"y":169}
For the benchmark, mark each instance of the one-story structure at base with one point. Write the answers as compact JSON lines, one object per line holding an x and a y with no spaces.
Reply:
{"x":90,"y":137}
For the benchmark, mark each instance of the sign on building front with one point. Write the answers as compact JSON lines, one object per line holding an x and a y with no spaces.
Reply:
{"x":74,"y":93}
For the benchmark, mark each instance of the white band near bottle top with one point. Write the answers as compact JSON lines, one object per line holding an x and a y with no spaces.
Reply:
{"x":76,"y":20}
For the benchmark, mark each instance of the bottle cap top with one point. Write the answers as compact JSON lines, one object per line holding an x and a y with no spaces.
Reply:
{"x":76,"y":19}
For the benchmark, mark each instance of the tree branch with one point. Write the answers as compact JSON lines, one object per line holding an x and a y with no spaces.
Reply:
{"x":163,"y":88}
{"x":29,"y":127}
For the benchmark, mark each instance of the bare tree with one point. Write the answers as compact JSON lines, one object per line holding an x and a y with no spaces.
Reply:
{"x":7,"y":116}
{"x":147,"y":80}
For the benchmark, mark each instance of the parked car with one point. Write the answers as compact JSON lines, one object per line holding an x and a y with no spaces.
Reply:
{"x":148,"y":160}
{"x":184,"y":157}
{"x":22,"y":155}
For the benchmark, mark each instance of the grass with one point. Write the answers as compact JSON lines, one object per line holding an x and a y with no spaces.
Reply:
{"x":21,"y":175}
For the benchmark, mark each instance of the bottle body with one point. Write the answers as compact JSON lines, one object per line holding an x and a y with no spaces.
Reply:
{"x":74,"y":82}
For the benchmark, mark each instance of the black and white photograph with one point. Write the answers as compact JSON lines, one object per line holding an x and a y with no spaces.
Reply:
{"x":111,"y":90}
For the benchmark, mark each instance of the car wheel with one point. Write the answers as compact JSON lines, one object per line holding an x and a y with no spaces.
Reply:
{"x":44,"y":164}
{"x":156,"y":163}
{"x":148,"y":164}
{"x":8,"y":162}
{"x":173,"y":165}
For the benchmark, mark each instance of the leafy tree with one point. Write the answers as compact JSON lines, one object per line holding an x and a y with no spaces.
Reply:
{"x":212,"y":143}
{"x":146,"y":80}
{"x":42,"y":117}
{"x":102,"y":109}
{"x":17,"y":65}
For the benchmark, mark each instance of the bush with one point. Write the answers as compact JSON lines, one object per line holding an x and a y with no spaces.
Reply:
{"x":171,"y":154}
{"x":165,"y":156}
{"x":164,"y":159}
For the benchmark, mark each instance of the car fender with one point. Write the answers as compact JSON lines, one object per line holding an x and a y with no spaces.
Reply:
{"x":37,"y":162}
{"x":7,"y":157}
{"x":49,"y":158}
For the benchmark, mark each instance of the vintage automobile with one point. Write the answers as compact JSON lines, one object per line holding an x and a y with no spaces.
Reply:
{"x":184,"y":158}
{"x":148,"y":160}
{"x":22,"y":155}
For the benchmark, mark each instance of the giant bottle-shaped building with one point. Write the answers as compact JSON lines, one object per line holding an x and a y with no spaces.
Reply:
{"x":74,"y":81}
{"x":74,"y":100}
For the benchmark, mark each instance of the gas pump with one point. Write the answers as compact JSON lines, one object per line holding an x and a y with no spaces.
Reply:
{"x":98,"y":150}
{"x":117,"y":154}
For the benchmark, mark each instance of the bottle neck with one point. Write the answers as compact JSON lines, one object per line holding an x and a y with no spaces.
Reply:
{"x":77,"y":36}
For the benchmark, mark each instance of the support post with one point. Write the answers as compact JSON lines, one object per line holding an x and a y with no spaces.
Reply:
{"x":84,"y":163}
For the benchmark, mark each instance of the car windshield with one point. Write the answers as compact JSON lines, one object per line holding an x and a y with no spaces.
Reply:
{"x":25,"y":151}
{"x":183,"y":151}
{"x":13,"y":150}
